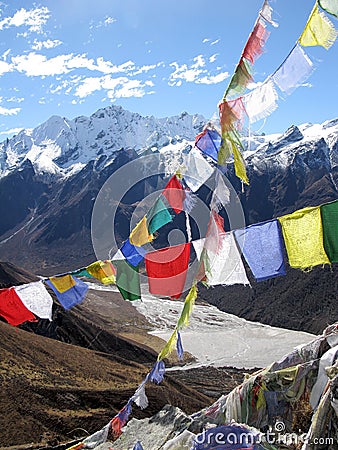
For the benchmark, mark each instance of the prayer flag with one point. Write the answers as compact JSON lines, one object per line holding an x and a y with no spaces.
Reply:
{"x":167,"y":270}
{"x":12,"y":309}
{"x":179,"y":346}
{"x":36,"y":298}
{"x":175,"y":194}
{"x":330,"y":6}
{"x":134,"y":255}
{"x":157,"y":372}
{"x":63,"y":282}
{"x":169,"y":347}
{"x":198,"y":170}
{"x":138,"y":446}
{"x":187,"y":307}
{"x":221,"y":195}
{"x":128,"y":280}
{"x":140,"y":236}
{"x":261,"y":245}
{"x":140,"y":398}
{"x":209,"y":142}
{"x":266,"y":13}
{"x":231,"y":112}
{"x":293,"y":72}
{"x":158,"y":215}
{"x":72,"y":296}
{"x":256,"y":42}
{"x":319,"y":30}
{"x":102,"y":271}
{"x":329,"y":214}
{"x":261,"y":102}
{"x":303,"y":237}
{"x":240,"y":79}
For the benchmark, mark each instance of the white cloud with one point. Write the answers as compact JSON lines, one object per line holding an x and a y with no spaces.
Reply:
{"x":39,"y":45}
{"x":9,"y":111}
{"x":5,"y":67}
{"x":16,"y":99}
{"x":34,"y":19}
{"x":109,"y":20}
{"x":213,"y":58}
{"x":36,"y":65}
{"x":205,"y":40}
{"x":12,"y":131}
{"x":213,"y":79}
{"x":120,"y":87}
{"x":5,"y":54}
{"x":215,"y":42}
{"x":199,"y":62}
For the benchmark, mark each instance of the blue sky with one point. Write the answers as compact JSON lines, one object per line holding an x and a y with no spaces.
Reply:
{"x":154,"y":57}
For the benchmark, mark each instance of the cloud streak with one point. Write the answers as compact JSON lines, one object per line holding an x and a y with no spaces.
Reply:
{"x":34,"y":19}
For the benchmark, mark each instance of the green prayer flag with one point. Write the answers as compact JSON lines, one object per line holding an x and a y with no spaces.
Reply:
{"x":81,"y":273}
{"x":127,"y":280}
{"x":329,"y":213}
{"x":187,"y":308}
{"x":158,"y":216}
{"x":330,"y":6}
{"x":239,"y":80}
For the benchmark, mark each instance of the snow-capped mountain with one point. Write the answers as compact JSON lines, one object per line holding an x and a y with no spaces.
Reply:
{"x":61,"y":146}
{"x":51,"y":175}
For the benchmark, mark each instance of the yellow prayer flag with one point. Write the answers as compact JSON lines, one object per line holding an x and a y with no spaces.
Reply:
{"x":319,"y":30}
{"x":303,"y":237}
{"x":188,"y":307}
{"x":169,"y":347}
{"x":140,"y":235}
{"x":63,"y":283}
{"x":102,"y":271}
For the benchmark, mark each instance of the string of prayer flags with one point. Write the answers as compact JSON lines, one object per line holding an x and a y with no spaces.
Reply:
{"x":198,"y":170}
{"x":127,"y":280}
{"x":102,"y":271}
{"x":134,"y":255}
{"x":329,"y":214}
{"x":330,"y":6}
{"x":303,"y":238}
{"x":156,"y":374}
{"x":175,"y":194}
{"x":209,"y":142}
{"x":158,"y":215}
{"x":36,"y":298}
{"x":167,"y":270}
{"x":319,"y":30}
{"x":261,"y":245}
{"x":296,"y":68}
{"x":12,"y":309}
{"x":261,"y":101}
{"x":73,"y":296}
{"x":140,"y":235}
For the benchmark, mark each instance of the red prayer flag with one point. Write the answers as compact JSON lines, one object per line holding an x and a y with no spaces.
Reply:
{"x":256,"y":42}
{"x":167,"y":270}
{"x":12,"y":309}
{"x":175,"y":194}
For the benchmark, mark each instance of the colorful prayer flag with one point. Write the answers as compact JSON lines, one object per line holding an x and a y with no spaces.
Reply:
{"x":102,"y":271}
{"x":240,"y":79}
{"x":329,"y":214}
{"x":128,"y":280}
{"x":175,"y":194}
{"x":261,"y":102}
{"x":36,"y":298}
{"x":12,"y":309}
{"x":72,"y":296}
{"x":169,"y":347}
{"x":134,"y":255}
{"x":62,"y":282}
{"x":167,"y":270}
{"x":209,"y":142}
{"x":303,"y":238}
{"x":319,"y":30}
{"x":158,"y":216}
{"x":198,"y":170}
{"x":257,"y":39}
{"x":140,"y":235}
{"x":261,"y":245}
{"x":294,"y":71}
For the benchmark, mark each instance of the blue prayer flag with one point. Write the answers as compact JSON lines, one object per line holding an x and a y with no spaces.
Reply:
{"x":72,"y":296}
{"x":134,"y":255}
